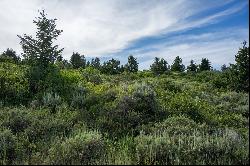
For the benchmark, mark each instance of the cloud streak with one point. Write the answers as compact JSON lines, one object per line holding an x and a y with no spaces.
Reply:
{"x":106,"y":27}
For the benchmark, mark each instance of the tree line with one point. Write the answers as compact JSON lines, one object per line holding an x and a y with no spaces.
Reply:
{"x":41,"y":55}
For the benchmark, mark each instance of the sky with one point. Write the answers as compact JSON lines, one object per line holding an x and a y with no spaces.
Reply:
{"x":191,"y":29}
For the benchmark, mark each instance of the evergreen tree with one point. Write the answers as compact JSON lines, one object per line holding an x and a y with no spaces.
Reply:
{"x":240,"y":70}
{"x":205,"y":65}
{"x":77,"y":60}
{"x":224,"y":67}
{"x":177,"y":65}
{"x":10,"y":56}
{"x":132,"y":65}
{"x":159,"y":66}
{"x":122,"y":69}
{"x":41,"y":51}
{"x":95,"y":62}
{"x":111,"y":67}
{"x":88,"y":64}
{"x":192,"y":67}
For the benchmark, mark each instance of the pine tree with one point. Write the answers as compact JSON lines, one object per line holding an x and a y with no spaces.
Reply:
{"x":240,"y":70}
{"x":95,"y":62}
{"x":41,"y":51}
{"x":77,"y":60}
{"x":10,"y":56}
{"x":132,"y":65}
{"x":177,"y":65}
{"x":192,"y":67}
{"x":205,"y":65}
{"x":159,"y":66}
{"x":224,"y":68}
{"x":111,"y":67}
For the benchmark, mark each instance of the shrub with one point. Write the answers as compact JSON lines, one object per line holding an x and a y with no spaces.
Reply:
{"x":127,"y":113}
{"x":14,"y":87}
{"x":46,"y":125}
{"x":52,"y":101}
{"x":176,"y":125}
{"x":8,"y":145}
{"x":83,"y":148}
{"x":92,"y":75}
{"x":183,"y":104}
{"x":16,"y":120}
{"x":226,"y":147}
{"x":78,"y":98}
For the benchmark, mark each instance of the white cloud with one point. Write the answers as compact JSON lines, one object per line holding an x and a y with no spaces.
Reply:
{"x":218,"y":47}
{"x":102,"y":27}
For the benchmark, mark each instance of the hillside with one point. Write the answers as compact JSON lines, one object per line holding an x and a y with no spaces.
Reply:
{"x":85,"y":117}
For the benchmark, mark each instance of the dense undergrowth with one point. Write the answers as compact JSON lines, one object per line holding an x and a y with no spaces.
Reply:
{"x":80,"y":116}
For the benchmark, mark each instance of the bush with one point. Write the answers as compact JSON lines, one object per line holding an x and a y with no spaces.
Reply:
{"x":78,"y":98}
{"x":14,"y":87}
{"x":128,"y":113}
{"x":83,"y":148}
{"x":16,"y":120}
{"x":8,"y":145}
{"x":46,"y":125}
{"x":52,"y":101}
{"x":92,"y":75}
{"x":226,"y":147}
{"x":183,"y":104}
{"x":176,"y":125}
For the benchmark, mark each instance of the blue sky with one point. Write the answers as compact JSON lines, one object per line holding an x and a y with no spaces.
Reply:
{"x":191,"y":29}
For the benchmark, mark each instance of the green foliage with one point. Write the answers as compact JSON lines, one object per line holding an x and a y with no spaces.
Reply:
{"x":41,"y":50}
{"x":132,"y":65}
{"x":77,"y":61}
{"x":176,"y":125}
{"x":130,"y":112}
{"x":240,"y":70}
{"x":224,"y":68}
{"x":222,"y":147}
{"x":14,"y":87}
{"x":52,"y":101}
{"x":83,"y":148}
{"x":182,"y":104}
{"x":111,"y":67}
{"x":159,"y":66}
{"x":95,"y":63}
{"x":205,"y":65}
{"x":16,"y":120}
{"x":8,"y":144}
{"x":9,"y":56}
{"x":92,"y":75}
{"x":192,"y":67}
{"x":177,"y":65}
{"x":50,"y":109}
{"x":78,"y":100}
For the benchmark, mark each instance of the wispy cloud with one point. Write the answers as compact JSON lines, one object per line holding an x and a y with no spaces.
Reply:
{"x":218,"y":47}
{"x":106,"y":27}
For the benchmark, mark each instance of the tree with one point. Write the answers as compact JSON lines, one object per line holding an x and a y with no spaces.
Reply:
{"x":63,"y":64}
{"x":240,"y":70}
{"x":192,"y":67}
{"x":10,"y":56}
{"x":77,"y":60}
{"x":96,"y":63}
{"x":88,"y":64}
{"x":224,"y":67}
{"x":41,"y":51}
{"x":111,"y":67}
{"x":205,"y":65}
{"x":132,"y":65}
{"x":159,"y":66}
{"x":177,"y":65}
{"x":121,"y":69}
